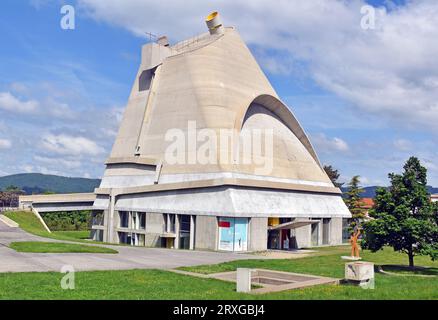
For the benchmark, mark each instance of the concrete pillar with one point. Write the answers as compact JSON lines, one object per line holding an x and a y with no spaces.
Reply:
{"x":168,"y":222}
{"x":111,"y":227}
{"x":177,"y":228}
{"x":192,"y":232}
{"x":320,"y":232}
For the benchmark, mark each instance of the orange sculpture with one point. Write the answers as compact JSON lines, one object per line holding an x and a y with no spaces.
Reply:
{"x":354,"y":245}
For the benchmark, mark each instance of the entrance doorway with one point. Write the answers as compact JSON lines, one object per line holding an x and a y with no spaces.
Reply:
{"x":279,"y":239}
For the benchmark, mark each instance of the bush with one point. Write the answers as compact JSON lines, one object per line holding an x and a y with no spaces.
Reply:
{"x":67,"y":221}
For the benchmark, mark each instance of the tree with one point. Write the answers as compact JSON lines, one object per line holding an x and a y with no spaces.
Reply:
{"x":333,"y":174}
{"x":404,"y":217}
{"x":12,"y":188}
{"x":354,"y":202}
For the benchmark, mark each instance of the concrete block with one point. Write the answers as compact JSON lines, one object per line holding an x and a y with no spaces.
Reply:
{"x":243,"y":280}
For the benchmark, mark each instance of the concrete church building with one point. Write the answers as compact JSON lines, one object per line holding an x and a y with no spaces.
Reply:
{"x":213,"y":82}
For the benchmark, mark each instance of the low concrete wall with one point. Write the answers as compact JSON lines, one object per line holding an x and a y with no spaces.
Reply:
{"x":206,"y":233}
{"x":8,"y":222}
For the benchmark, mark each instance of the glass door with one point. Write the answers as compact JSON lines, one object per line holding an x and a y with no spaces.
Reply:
{"x":240,"y":234}
{"x":226,"y":234}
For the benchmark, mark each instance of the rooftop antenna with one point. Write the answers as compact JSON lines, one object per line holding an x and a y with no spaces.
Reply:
{"x":151,"y":36}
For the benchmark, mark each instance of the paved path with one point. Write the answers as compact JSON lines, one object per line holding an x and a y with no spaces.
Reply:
{"x":127,"y":258}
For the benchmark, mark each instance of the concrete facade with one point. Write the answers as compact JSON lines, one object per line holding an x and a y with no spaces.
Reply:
{"x":258,"y":236}
{"x":206,"y":233}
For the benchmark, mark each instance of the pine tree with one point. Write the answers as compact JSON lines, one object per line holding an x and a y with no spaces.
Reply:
{"x":333,"y":174}
{"x":404,"y":216}
{"x":354,"y":202}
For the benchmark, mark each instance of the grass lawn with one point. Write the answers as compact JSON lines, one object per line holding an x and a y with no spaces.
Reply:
{"x":56,"y":247}
{"x":76,"y":235}
{"x":326,"y":262}
{"x":156,"y":284}
{"x":30,"y":223}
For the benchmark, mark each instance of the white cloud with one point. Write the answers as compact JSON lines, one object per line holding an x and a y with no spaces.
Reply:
{"x":403,"y":145}
{"x":324,"y":144}
{"x":27,"y":168}
{"x":63,"y":162}
{"x":19,"y":87}
{"x":5,"y":144}
{"x":70,"y":145}
{"x":58,"y":109}
{"x":11,"y":103}
{"x":391,"y":70}
{"x":43,"y":108}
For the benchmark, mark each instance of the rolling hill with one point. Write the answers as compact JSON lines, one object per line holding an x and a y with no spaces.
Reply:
{"x":370,"y":192}
{"x":35,"y":183}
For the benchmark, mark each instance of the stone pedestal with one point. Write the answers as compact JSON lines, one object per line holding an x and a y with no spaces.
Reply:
{"x":243,"y":280}
{"x":360,"y":272}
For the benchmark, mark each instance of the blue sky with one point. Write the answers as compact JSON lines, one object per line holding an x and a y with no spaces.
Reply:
{"x":367,"y":98}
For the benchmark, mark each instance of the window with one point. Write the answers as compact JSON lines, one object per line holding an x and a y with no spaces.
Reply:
{"x":184,"y":232}
{"x":98,"y":235}
{"x":98,"y":219}
{"x":124,"y":219}
{"x":133,"y":239}
{"x":142,"y":220}
{"x":144,"y":82}
{"x":169,"y":223}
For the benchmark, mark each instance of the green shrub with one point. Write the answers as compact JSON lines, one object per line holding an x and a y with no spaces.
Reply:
{"x":67,"y":221}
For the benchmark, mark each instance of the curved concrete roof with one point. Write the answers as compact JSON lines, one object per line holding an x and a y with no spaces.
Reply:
{"x":217,"y":84}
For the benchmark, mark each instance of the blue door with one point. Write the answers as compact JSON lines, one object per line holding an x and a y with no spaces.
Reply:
{"x":233,"y":234}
